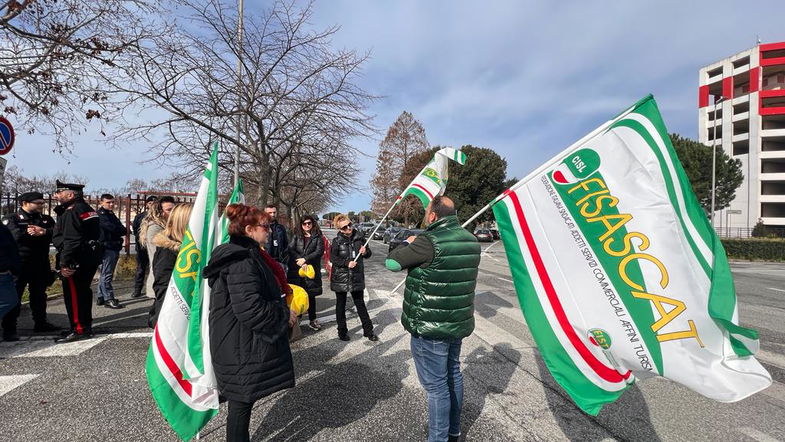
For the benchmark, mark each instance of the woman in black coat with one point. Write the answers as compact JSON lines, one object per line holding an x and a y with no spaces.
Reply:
{"x":307,"y":248}
{"x":348,"y":276}
{"x":167,"y":246}
{"x":249,"y":320}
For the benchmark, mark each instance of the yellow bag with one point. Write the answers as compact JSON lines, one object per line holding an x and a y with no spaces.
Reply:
{"x":307,"y":271}
{"x":298,"y":300}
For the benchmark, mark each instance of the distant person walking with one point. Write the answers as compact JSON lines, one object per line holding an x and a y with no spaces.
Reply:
{"x":142,"y":258}
{"x":348,"y":276}
{"x":112,"y":237}
{"x":438,"y":310}
{"x":277,"y":244}
{"x":167,"y":246}
{"x":307,"y":248}
{"x":249,"y":320}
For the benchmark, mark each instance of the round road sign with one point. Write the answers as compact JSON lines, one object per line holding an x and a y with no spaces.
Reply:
{"x":6,"y":136}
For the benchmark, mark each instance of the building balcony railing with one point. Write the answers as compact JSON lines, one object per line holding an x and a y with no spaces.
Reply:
{"x":772,"y":133}
{"x":741,"y":116}
{"x":772,"y":177}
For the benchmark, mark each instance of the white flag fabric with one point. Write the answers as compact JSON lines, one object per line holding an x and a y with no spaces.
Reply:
{"x":619,"y":273}
{"x":432,"y":180}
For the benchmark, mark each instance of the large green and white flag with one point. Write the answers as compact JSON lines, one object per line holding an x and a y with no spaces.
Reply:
{"x":238,"y":196}
{"x":432,"y":180}
{"x":619,"y":273}
{"x":179,"y":367}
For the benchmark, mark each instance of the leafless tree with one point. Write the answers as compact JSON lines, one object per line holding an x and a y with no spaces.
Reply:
{"x":53,"y":55}
{"x":295,"y":99}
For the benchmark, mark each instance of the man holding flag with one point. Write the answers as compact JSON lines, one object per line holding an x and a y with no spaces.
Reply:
{"x":438,"y":310}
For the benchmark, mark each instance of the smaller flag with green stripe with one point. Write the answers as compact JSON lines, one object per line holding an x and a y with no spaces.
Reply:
{"x":432,"y":180}
{"x":619,"y":273}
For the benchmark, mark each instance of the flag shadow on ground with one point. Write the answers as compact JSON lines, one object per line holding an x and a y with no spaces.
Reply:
{"x":627,"y":418}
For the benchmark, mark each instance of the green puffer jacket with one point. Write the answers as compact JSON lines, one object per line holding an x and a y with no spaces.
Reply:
{"x":439,"y":296}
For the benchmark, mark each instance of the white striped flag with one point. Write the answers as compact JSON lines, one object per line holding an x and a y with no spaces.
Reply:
{"x":432,"y":180}
{"x":619,"y":273}
{"x":179,"y":367}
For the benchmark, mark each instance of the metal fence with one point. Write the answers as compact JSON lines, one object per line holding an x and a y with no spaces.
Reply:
{"x":126,"y":207}
{"x":746,"y":232}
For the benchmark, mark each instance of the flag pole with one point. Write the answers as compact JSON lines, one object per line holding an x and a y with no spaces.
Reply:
{"x":240,"y":14}
{"x":397,"y":200}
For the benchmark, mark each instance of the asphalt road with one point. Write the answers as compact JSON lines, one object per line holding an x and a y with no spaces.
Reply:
{"x":360,"y":391}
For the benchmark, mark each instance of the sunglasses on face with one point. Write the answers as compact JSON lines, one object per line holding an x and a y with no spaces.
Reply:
{"x":347,"y":227}
{"x":264,"y":226}
{"x":307,"y":223}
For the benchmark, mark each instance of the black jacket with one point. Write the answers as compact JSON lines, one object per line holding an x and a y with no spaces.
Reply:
{"x":166,"y":251}
{"x":249,"y":339}
{"x":136,"y":227}
{"x":343,"y":250}
{"x":32,"y":249}
{"x":312,"y":250}
{"x":9,"y":254}
{"x":113,"y":232}
{"x":76,"y":234}
{"x":277,"y":243}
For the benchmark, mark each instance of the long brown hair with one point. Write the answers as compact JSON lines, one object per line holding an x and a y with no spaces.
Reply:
{"x":315,"y":230}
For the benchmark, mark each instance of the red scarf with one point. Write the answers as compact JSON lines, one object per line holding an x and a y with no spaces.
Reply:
{"x":280,"y":275}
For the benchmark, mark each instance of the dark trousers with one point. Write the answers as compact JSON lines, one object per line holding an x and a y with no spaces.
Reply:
{"x":105,"y":281}
{"x":78,"y":298}
{"x":362,"y":311}
{"x":142,"y":266}
{"x":312,"y":307}
{"x":237,"y":421}
{"x":33,"y":276}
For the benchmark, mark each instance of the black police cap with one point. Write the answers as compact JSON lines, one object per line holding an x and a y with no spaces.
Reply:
{"x":30,"y":196}
{"x":69,"y":186}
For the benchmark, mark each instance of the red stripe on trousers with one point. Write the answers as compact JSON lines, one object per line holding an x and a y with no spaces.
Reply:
{"x":75,"y":305}
{"x":170,"y":364}
{"x":601,"y":369}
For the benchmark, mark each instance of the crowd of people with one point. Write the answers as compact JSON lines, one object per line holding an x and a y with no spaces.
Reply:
{"x":250,"y":276}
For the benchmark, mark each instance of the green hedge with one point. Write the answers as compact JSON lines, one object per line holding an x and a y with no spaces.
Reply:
{"x":762,"y":249}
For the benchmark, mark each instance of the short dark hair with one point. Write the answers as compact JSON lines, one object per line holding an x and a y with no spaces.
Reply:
{"x":166,"y":199}
{"x":271,"y":206}
{"x":443,"y":206}
{"x":107,"y":196}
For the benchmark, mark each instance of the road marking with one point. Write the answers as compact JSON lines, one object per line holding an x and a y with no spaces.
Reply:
{"x":8,"y":383}
{"x":771,"y":358}
{"x":776,"y":290}
{"x":45,"y":347}
{"x":506,"y":280}
{"x":756,"y":434}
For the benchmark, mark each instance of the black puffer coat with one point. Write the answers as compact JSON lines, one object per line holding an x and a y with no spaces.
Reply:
{"x":249,"y":339}
{"x":166,"y":251}
{"x":311,"y":249}
{"x":343,"y":251}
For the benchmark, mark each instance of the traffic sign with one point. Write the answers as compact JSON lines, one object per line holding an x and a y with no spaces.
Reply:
{"x":6,"y":136}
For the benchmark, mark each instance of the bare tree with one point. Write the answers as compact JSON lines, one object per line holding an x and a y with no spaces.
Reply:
{"x":53,"y":54}
{"x":298,"y":99}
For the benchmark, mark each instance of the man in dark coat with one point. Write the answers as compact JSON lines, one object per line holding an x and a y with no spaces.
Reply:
{"x":75,"y":237}
{"x":9,"y":269}
{"x":32,"y":231}
{"x":112,"y":237}
{"x":142,"y":257}
{"x":347,"y":255}
{"x":277,"y":244}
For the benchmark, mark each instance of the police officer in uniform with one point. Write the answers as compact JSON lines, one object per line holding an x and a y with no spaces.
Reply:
{"x":32,"y":231}
{"x":78,"y":256}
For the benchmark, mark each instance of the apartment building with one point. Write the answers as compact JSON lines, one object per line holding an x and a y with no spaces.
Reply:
{"x":741,"y":102}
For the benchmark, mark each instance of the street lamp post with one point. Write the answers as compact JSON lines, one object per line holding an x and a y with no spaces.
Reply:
{"x":714,"y":161}
{"x":239,"y":120}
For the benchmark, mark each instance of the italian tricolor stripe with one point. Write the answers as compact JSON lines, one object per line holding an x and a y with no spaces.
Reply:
{"x":432,"y":180}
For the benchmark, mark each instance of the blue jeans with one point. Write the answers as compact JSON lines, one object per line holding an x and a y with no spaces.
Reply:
{"x":439,"y":370}
{"x":108,"y":264}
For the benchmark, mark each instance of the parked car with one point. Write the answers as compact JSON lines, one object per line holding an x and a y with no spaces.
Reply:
{"x":495,"y":234}
{"x":483,"y":235}
{"x":366,"y":228}
{"x":389,"y":233}
{"x":379,"y":234}
{"x":401,"y":236}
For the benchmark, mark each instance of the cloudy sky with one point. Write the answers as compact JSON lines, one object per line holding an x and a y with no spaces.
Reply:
{"x":523,"y":78}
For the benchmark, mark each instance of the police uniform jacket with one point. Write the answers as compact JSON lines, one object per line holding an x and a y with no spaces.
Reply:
{"x":76,"y":234}
{"x":32,"y":249}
